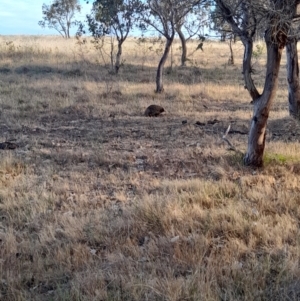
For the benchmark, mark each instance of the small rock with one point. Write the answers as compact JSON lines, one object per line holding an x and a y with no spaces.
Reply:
{"x":184,"y":121}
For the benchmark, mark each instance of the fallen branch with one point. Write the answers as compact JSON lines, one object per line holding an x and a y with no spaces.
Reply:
{"x":238,"y":132}
{"x":231,"y":146}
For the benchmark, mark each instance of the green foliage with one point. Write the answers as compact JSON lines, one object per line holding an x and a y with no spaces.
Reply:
{"x":59,"y":15}
{"x":115,"y":17}
{"x":280,"y":159}
{"x":219,"y":24}
{"x":260,"y":49}
{"x":156,"y":44}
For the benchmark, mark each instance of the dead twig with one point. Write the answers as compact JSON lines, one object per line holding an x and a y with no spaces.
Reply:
{"x":231,"y":146}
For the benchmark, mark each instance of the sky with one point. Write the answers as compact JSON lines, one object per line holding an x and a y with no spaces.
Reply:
{"x":21,"y":17}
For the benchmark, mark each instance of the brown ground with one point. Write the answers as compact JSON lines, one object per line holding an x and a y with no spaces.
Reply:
{"x":98,"y":202}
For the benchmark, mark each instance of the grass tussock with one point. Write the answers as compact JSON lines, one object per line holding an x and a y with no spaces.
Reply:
{"x":99,"y":202}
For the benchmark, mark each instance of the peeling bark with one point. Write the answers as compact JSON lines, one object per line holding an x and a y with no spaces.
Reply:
{"x":262,"y":106}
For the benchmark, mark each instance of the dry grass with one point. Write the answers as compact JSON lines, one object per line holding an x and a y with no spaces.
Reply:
{"x":101,"y":203}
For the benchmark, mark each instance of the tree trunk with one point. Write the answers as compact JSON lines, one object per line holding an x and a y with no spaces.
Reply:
{"x":65,"y":35}
{"x":292,"y":67}
{"x":112,"y":53}
{"x":262,"y":105}
{"x":118,"y":56}
{"x":235,"y":36}
{"x":231,"y":57}
{"x":183,"y":46}
{"x":223,"y":36}
{"x":247,"y":68}
{"x":68,"y":29}
{"x":159,"y":73}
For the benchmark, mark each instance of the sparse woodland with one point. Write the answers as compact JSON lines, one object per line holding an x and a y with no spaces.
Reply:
{"x":98,"y":201}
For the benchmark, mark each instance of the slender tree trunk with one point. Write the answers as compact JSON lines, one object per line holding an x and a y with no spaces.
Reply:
{"x":292,"y":67}
{"x":172,"y":59}
{"x":247,"y":68}
{"x":262,"y":105}
{"x":112,"y":53}
{"x":68,"y":30}
{"x":223,"y":36}
{"x":159,"y":73}
{"x":235,"y":36}
{"x":231,"y":58}
{"x":118,"y":56}
{"x":183,"y":46}
{"x":65,"y":32}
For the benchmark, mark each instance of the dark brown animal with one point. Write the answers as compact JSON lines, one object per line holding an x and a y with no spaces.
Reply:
{"x":154,"y":111}
{"x":8,"y":145}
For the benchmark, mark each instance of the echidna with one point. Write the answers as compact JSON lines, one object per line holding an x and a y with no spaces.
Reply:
{"x":154,"y":111}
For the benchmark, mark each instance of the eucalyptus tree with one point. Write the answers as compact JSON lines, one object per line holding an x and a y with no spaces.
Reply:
{"x":59,"y":15}
{"x":114,"y":17}
{"x":219,"y":24}
{"x":192,"y":26}
{"x":293,"y":69}
{"x":277,"y":17}
{"x":164,"y":16}
{"x":223,"y":28}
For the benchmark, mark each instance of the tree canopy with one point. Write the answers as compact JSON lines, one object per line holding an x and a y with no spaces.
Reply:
{"x":115,"y":17}
{"x":59,"y":15}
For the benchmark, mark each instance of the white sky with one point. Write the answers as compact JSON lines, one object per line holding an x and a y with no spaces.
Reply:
{"x":22,"y":17}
